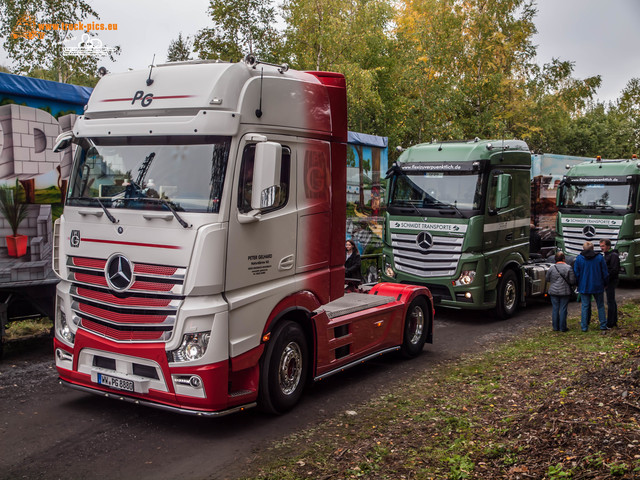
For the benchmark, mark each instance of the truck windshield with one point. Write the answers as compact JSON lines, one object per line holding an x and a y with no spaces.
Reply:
{"x":436,"y":190}
{"x":183,"y":173}
{"x":596,"y":196}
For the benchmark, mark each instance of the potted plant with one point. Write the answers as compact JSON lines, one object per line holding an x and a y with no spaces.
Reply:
{"x":14,"y":211}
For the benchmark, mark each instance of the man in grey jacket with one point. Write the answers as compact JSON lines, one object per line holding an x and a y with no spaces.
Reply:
{"x":561,"y":280}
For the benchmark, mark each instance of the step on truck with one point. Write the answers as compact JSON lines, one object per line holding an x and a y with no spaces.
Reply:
{"x":201,"y":248}
{"x":598,"y":199}
{"x":458,"y":222}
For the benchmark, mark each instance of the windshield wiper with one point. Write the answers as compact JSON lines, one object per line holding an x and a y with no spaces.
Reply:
{"x":449,"y":205}
{"x":167,"y":204}
{"x":109,"y":216}
{"x":413,"y":207}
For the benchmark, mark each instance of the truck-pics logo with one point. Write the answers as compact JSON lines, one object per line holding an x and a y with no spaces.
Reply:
{"x":74,"y":239}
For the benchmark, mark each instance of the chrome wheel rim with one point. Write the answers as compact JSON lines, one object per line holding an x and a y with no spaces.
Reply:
{"x":416,"y":325}
{"x":510,"y":295}
{"x":290,"y":368}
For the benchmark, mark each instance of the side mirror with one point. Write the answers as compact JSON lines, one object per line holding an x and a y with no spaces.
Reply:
{"x":63,"y":141}
{"x":503,"y":190}
{"x":266,"y":175}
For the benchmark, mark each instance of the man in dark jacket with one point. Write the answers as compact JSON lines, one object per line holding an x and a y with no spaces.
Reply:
{"x":612,"y":260}
{"x":592,"y":276}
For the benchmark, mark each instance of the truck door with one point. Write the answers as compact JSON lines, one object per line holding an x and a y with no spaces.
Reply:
{"x":508,"y":213}
{"x":262,"y":250}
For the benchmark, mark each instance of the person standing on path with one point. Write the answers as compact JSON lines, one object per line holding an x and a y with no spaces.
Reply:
{"x":612,"y":259}
{"x":592,"y":275}
{"x":560,"y":278}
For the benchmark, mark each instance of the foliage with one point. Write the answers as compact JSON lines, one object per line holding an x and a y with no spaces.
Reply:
{"x":418,"y":71}
{"x":180,"y":49}
{"x":351,"y":37}
{"x":26,"y":328}
{"x":239,"y":27}
{"x":39,"y":52}
{"x":11,"y":206}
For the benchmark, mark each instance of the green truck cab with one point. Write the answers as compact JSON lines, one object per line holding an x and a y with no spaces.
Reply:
{"x":458,"y":222}
{"x":599,"y":199}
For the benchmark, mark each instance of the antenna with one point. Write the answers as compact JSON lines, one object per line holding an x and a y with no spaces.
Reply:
{"x":150,"y":80}
{"x":259,"y":110}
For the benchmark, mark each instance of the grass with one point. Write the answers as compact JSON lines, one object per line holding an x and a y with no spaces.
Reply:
{"x":27,"y":328}
{"x":548,"y":405}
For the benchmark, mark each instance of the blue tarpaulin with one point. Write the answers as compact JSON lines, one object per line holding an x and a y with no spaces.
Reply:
{"x":355,"y":138}
{"x":19,"y":86}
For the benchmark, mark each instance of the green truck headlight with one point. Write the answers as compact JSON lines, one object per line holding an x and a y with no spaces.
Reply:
{"x":466,"y":278}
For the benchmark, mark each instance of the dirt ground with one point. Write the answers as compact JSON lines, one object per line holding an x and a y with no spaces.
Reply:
{"x":539,"y":415}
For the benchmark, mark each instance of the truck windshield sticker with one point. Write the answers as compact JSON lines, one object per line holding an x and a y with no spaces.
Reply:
{"x":440,"y":167}
{"x":597,"y":180}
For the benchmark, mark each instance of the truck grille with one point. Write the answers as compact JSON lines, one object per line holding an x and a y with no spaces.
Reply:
{"x":439,"y":260}
{"x":145,"y":312}
{"x":574,"y":237}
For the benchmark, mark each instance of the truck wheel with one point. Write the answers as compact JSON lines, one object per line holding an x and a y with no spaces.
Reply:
{"x":284,"y":369}
{"x":508,"y":294}
{"x":416,"y":325}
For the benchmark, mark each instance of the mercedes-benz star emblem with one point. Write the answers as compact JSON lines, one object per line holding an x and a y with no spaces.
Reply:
{"x":424,"y":240}
{"x":119,"y":273}
{"x":589,"y":231}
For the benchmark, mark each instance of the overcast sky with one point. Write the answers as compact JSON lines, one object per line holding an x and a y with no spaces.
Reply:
{"x":599,"y":36}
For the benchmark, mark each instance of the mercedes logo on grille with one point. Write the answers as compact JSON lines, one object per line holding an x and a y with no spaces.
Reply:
{"x":589,"y":231}
{"x":119,"y":273}
{"x":424,"y":240}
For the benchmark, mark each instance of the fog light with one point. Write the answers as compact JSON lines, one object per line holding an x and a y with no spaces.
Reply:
{"x":193,"y":347}
{"x":467,"y":295}
{"x":63,"y":356}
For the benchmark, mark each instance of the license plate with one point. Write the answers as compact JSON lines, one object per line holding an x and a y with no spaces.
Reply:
{"x":114,"y":382}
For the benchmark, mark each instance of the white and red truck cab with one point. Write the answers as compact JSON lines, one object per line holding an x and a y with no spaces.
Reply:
{"x":201,"y":249}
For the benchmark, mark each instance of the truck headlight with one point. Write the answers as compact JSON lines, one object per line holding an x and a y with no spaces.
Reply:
{"x":623,"y":256}
{"x":466,"y":278}
{"x":388,"y":270}
{"x":62,"y":327}
{"x":193,"y":347}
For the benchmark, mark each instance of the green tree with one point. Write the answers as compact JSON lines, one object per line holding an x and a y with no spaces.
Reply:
{"x":552,"y":100}
{"x":239,"y":27}
{"x":34,"y":49}
{"x":180,"y":49}
{"x":350,"y":37}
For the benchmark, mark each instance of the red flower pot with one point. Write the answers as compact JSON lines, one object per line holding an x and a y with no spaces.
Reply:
{"x":17,"y":245}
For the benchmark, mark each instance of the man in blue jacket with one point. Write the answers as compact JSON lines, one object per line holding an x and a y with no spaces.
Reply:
{"x":592,"y":275}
